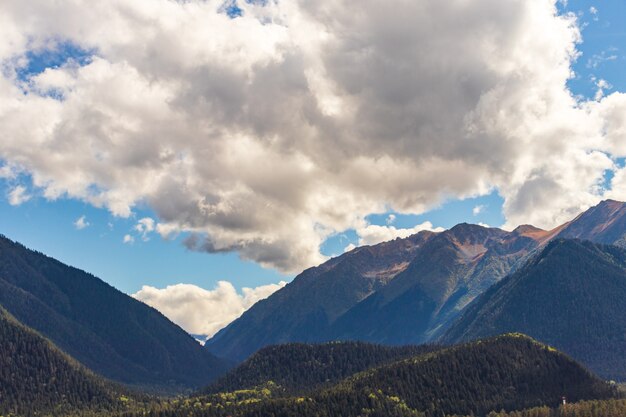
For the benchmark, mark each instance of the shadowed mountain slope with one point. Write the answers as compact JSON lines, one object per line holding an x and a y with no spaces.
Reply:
{"x":450,"y":270}
{"x":572,"y":296}
{"x":303,"y":310}
{"x":397,"y":292}
{"x":107,"y":331}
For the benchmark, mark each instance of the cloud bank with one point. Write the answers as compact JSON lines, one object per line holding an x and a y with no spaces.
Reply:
{"x":200,"y":311}
{"x":267,"y":133}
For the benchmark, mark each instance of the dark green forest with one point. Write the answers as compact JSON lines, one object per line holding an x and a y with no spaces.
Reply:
{"x":35,"y":376}
{"x":298,"y":367}
{"x":511,"y":372}
{"x":106,"y":330}
{"x":606,"y":408}
{"x":502,"y":374}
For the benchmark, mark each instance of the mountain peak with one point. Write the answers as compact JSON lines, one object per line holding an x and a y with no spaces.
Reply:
{"x":607,"y":207}
{"x":472,"y":233}
{"x":467,"y":229}
{"x":467,"y":226}
{"x":525,"y":229}
{"x":603,"y":223}
{"x":610,"y":203}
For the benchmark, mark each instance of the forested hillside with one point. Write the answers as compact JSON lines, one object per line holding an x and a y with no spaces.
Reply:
{"x":297,"y":367}
{"x":572,"y":296}
{"x":107,"y":331}
{"x":602,"y":408}
{"x":509,"y":372}
{"x":36,"y":377}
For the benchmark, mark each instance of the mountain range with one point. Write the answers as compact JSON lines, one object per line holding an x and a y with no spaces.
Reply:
{"x":406,"y":291}
{"x":67,"y":338}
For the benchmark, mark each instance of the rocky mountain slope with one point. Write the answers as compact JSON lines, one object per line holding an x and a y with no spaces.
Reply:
{"x":303,"y":310}
{"x":450,"y":270}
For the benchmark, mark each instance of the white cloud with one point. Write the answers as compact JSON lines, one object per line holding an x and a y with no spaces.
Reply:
{"x":602,"y":85}
{"x":6,"y":172}
{"x":144,"y":227}
{"x":200,"y":311}
{"x":593,"y":10}
{"x":350,"y":247}
{"x":128,"y":239}
{"x":18,"y":195}
{"x":478,"y":209}
{"x":268,"y":133}
{"x":372,"y":234}
{"x":391,"y":218}
{"x":81,"y":223}
{"x":598,"y":59}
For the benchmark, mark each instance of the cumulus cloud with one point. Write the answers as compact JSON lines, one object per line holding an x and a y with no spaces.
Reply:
{"x":605,"y":56}
{"x":144,"y":227}
{"x":128,"y":239}
{"x":18,"y":195}
{"x":6,"y":172}
{"x":478,"y":209}
{"x":602,"y":85}
{"x":200,"y":311}
{"x":81,"y":223}
{"x":372,"y":234}
{"x":267,"y":133}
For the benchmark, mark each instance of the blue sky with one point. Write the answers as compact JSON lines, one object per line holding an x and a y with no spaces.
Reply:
{"x":604,"y":45}
{"x":99,"y":249}
{"x":49,"y":226}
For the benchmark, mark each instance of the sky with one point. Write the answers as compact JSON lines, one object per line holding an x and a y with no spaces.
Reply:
{"x":198,"y":155}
